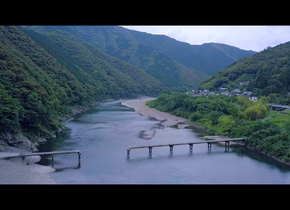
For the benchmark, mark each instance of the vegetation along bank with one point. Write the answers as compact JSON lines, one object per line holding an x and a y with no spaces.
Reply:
{"x":267,"y":131}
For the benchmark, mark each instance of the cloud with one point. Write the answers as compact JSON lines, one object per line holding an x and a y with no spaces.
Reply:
{"x":254,"y":38}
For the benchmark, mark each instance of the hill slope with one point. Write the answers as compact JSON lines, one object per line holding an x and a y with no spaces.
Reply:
{"x":110,"y":76}
{"x":268,"y":72}
{"x":38,"y":85}
{"x":208,"y":58}
{"x":120,"y":43}
{"x":125,"y":44}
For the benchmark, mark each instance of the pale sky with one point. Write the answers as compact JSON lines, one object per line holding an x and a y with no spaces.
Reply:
{"x":255,"y":38}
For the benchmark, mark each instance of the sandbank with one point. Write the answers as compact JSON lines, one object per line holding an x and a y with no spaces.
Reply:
{"x":166,"y":119}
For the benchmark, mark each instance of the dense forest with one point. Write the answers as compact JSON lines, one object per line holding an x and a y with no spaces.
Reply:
{"x":177,"y":65}
{"x":265,"y":130}
{"x":268,"y":74}
{"x":41,"y":84}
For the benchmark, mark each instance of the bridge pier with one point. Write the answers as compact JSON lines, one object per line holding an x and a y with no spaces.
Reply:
{"x":79,"y":165}
{"x":209,"y":146}
{"x":171,"y":149}
{"x":190,"y":148}
{"x":150,"y":151}
{"x":52,"y":163}
{"x":128,"y":153}
{"x":227,"y":146}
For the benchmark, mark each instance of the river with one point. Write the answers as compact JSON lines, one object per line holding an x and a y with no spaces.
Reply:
{"x":103,"y":133}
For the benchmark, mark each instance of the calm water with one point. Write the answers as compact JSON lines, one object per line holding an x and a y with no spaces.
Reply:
{"x":103,"y":133}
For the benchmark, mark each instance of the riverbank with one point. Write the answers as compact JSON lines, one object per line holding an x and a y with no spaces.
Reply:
{"x":14,"y":171}
{"x":167,"y":119}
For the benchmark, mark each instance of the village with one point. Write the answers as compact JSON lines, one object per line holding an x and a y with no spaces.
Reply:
{"x":226,"y":92}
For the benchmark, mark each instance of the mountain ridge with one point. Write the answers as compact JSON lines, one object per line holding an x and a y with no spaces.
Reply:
{"x":168,"y":46}
{"x":153,"y":53}
{"x":118,"y":42}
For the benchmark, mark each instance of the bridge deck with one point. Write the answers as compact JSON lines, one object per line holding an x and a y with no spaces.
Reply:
{"x":46,"y":154}
{"x":42,"y":154}
{"x":209,"y":142}
{"x":184,"y":143}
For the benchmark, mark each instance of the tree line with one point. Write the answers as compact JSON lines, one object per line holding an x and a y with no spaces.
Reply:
{"x":234,"y":117}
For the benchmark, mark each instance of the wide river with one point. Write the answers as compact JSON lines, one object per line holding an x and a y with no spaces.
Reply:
{"x":103,"y":134}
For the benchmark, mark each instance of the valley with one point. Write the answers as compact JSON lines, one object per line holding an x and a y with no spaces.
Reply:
{"x":86,"y":74}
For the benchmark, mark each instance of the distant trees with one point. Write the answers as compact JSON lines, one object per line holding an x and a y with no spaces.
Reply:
{"x":257,"y":111}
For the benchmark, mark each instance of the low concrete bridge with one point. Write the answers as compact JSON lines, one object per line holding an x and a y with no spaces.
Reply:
{"x":46,"y":154}
{"x":171,"y":145}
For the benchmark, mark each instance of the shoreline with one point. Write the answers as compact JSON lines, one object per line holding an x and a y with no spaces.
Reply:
{"x":26,"y":172}
{"x":167,"y":119}
{"x":13,"y":171}
{"x":30,"y":172}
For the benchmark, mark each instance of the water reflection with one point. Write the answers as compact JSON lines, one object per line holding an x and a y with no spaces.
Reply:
{"x":244,"y":152}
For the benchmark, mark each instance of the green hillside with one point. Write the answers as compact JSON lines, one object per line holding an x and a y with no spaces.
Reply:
{"x":207,"y":58}
{"x":267,"y":72}
{"x":35,"y":88}
{"x":43,"y":78}
{"x":120,"y":43}
{"x":109,"y":77}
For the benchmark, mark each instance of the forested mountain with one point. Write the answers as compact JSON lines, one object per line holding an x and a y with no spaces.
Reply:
{"x":118,"y":42}
{"x":267,"y":73}
{"x":208,"y":58}
{"x":109,"y":76}
{"x":175,"y":64}
{"x":38,"y":85}
{"x":46,"y":72}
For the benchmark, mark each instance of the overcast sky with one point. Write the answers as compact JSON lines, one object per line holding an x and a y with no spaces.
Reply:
{"x":255,"y":38}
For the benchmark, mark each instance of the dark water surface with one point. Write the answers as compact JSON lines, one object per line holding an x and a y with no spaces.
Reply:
{"x":103,"y":133}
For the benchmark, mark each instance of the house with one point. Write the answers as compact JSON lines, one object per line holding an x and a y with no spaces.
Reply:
{"x":223,"y":89}
{"x":244,"y":83}
{"x":247,"y":93}
{"x":226,"y":93}
{"x":235,"y":92}
{"x":253,"y":98}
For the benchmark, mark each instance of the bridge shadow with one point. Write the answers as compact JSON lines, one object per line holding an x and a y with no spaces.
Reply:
{"x":57,"y":165}
{"x":244,"y":152}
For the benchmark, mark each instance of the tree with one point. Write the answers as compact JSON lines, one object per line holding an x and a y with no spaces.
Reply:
{"x":256,"y":111}
{"x":225,"y":124}
{"x":9,"y":111}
